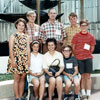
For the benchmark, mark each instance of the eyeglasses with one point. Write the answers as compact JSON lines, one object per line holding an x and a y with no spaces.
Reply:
{"x":66,"y":50}
{"x":84,"y":25}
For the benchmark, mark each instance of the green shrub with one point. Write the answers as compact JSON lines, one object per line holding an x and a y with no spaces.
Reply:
{"x":4,"y":77}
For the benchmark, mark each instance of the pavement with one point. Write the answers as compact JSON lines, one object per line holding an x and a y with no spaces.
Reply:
{"x":95,"y":96}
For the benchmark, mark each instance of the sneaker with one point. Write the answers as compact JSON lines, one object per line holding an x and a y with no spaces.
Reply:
{"x":66,"y":98}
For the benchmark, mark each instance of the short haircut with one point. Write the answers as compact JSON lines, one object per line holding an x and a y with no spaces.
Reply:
{"x":30,"y":12}
{"x":84,"y":21}
{"x":73,"y":14}
{"x":51,"y":40}
{"x":51,"y":9}
{"x":20,"y":20}
{"x":67,"y":46}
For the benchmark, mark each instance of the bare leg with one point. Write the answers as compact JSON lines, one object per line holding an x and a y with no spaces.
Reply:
{"x":88,"y":81}
{"x":51,"y":87}
{"x":36,"y":84}
{"x":59,"y":87}
{"x":16,"y":85}
{"x":42,"y":87}
{"x":77,"y":85}
{"x":82,"y":81}
{"x":67,"y":86}
{"x":88,"y":84}
{"x":21,"y":84}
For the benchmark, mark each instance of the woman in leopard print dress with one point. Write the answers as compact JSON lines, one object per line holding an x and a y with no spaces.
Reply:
{"x":19,"y":57}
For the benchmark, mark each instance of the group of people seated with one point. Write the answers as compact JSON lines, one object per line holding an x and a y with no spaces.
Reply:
{"x":44,"y":69}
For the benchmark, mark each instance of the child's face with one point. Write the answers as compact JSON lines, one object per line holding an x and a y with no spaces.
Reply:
{"x":66,"y":52}
{"x":35,"y":48}
{"x":84,"y":27}
{"x":73,"y":20}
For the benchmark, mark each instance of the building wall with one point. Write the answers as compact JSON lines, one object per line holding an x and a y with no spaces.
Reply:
{"x":91,"y":9}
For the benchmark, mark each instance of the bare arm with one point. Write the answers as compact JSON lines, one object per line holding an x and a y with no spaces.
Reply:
{"x":49,"y":73}
{"x":28,"y":49}
{"x":65,"y":73}
{"x":11,"y":53}
{"x":76,"y":71}
{"x":60,"y":71}
{"x":73,"y":47}
{"x":92,"y":49}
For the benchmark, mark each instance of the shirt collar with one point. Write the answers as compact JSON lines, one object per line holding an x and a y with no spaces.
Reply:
{"x":54,"y":21}
{"x":30,"y":26}
{"x":77,"y":26}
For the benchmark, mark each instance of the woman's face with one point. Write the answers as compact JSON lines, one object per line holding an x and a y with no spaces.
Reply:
{"x":51,"y":46}
{"x":20,"y":27}
{"x":35,"y":48}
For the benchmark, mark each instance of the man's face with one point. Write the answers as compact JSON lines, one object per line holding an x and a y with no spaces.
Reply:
{"x":52,"y":14}
{"x":73,"y":20}
{"x":31,"y":18}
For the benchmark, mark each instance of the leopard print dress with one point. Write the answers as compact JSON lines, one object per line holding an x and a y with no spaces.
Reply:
{"x":20,"y":54}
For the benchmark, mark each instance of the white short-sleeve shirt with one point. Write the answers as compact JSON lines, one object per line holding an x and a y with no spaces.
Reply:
{"x":36,"y":63}
{"x":48,"y":59}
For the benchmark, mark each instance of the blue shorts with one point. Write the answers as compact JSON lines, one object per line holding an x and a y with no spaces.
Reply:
{"x":34,"y":77}
{"x":67,"y":78}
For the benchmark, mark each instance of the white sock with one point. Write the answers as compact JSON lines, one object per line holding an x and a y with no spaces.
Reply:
{"x":88,"y":92}
{"x":83,"y":92}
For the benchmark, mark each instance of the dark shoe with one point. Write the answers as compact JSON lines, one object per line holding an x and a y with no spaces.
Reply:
{"x":17,"y":99}
{"x":36,"y":98}
{"x":25,"y":94}
{"x":21,"y":98}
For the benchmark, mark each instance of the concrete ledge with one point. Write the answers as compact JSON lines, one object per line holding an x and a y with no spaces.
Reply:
{"x":95,"y":81}
{"x":6,"y":89}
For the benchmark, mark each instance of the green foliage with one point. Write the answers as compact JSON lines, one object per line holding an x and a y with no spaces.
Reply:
{"x":4,"y":77}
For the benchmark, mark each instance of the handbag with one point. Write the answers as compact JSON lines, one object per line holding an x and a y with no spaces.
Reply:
{"x":54,"y":68}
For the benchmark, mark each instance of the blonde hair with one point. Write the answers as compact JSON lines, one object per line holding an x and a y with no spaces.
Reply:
{"x":31,"y":12}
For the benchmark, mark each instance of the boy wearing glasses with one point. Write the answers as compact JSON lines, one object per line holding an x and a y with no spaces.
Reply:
{"x":83,"y":45}
{"x":70,"y":72}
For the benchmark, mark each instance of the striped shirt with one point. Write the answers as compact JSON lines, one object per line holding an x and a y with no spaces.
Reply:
{"x":70,"y":32}
{"x":48,"y":30}
{"x":33,"y":32}
{"x":83,"y":43}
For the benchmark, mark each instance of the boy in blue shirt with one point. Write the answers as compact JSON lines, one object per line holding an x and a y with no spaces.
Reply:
{"x":70,"y":72}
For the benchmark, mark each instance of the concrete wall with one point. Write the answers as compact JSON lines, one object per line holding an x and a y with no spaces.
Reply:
{"x":4,"y":62}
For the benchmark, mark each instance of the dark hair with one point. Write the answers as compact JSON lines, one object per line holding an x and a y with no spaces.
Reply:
{"x":73,"y":14}
{"x":51,"y":40}
{"x":68,"y":46}
{"x":34,"y":42}
{"x":20,"y":20}
{"x":84,"y":21}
